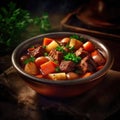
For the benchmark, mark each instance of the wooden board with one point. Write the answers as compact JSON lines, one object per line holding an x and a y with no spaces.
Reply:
{"x":71,"y":22}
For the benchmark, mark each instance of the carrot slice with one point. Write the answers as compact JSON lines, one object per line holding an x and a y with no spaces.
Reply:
{"x":95,"y":52}
{"x":46,"y":41}
{"x":48,"y":67}
{"x":86,"y":75}
{"x":99,"y":67}
{"x":88,"y":46}
{"x":39,"y":76}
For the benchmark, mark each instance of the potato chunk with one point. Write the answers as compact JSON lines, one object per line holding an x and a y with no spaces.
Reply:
{"x":75,"y":43}
{"x":51,"y":46}
{"x":57,"y":76}
{"x":31,"y":68}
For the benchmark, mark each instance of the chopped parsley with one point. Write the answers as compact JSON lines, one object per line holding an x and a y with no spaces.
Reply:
{"x":60,"y":48}
{"x":77,"y":37}
{"x":69,"y":55}
{"x":45,"y":54}
{"x":31,"y":59}
{"x":44,"y":46}
{"x":72,"y":57}
{"x":71,"y":48}
{"x":57,"y":69}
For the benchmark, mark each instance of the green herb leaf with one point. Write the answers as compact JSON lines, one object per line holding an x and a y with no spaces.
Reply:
{"x":57,"y":69}
{"x":15,"y":21}
{"x":71,"y":48}
{"x":61,"y":49}
{"x":77,"y":37}
{"x":44,"y":24}
{"x":72,"y":57}
{"x":31,"y":59}
{"x":45,"y":54}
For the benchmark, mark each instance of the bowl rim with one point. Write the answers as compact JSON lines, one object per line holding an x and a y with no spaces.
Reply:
{"x":96,"y":75}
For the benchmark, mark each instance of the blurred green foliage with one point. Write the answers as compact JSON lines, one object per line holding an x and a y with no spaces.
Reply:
{"x":14,"y":21}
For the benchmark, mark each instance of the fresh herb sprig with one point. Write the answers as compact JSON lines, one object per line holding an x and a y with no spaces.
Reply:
{"x":31,"y":59}
{"x":82,"y":39}
{"x":72,"y":57}
{"x":44,"y":24}
{"x":15,"y":21}
{"x":61,"y":49}
{"x":69,"y":55}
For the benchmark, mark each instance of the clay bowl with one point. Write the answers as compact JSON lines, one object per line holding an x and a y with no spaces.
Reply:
{"x":66,"y":88}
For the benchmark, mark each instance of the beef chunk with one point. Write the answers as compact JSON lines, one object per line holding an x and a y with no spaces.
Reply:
{"x":88,"y":65}
{"x":56,"y":55}
{"x":80,"y":52}
{"x":38,"y":51}
{"x":67,"y":66}
{"x":83,"y":64}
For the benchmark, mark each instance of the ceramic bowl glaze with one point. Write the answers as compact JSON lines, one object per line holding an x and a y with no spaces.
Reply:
{"x":66,"y":88}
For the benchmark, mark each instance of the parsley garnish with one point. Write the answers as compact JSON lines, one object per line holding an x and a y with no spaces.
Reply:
{"x":45,"y":54}
{"x":31,"y":59}
{"x":77,"y":37}
{"x":71,"y":48}
{"x":61,"y":49}
{"x":14,"y":21}
{"x":57,"y":69}
{"x":72,"y":57}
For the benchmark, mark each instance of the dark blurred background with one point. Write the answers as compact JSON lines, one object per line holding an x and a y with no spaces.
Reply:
{"x":63,"y":6}
{"x":51,"y":6}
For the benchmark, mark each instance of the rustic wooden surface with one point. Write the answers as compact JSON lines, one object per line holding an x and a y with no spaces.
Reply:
{"x":19,"y":101}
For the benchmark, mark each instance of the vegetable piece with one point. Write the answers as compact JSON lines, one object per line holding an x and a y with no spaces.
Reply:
{"x":31,"y":68}
{"x":65,"y":40}
{"x":57,"y":76}
{"x":74,"y":36}
{"x":75,"y":43}
{"x":48,"y":67}
{"x":77,"y":37}
{"x":95,"y":52}
{"x":72,"y":75}
{"x":99,"y":67}
{"x":87,"y":74}
{"x":97,"y":57}
{"x":51,"y":46}
{"x":39,"y":76}
{"x":57,"y":69}
{"x":30,"y":59}
{"x":46,"y":41}
{"x":72,"y":57}
{"x":61,"y":49}
{"x":88,"y":46}
{"x":40,"y":60}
